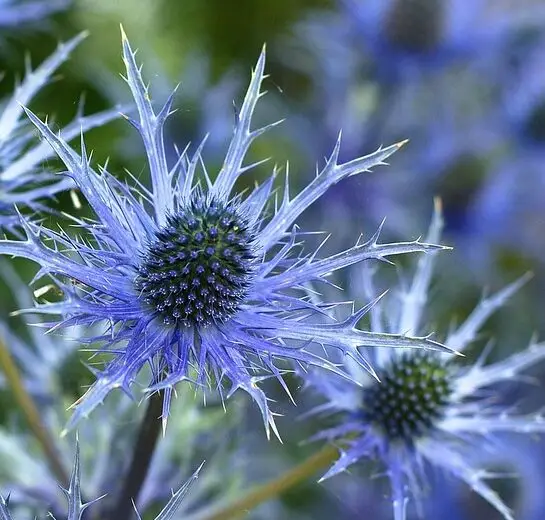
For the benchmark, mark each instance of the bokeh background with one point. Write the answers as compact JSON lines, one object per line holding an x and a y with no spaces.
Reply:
{"x":463,"y":80}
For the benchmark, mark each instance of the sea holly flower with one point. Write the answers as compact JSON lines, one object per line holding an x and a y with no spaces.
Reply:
{"x":519,"y":129}
{"x":408,"y":37}
{"x":76,"y":505}
{"x":427,"y":413}
{"x":23,"y":178}
{"x":197,"y":282}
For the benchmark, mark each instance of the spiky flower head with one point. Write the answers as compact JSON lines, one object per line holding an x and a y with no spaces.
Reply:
{"x":189,"y":278}
{"x":76,"y":505}
{"x":23,"y":177}
{"x":427,"y":411}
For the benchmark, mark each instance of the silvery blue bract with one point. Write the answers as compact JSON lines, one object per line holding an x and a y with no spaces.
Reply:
{"x":24,"y":179}
{"x":76,"y":506}
{"x":427,"y":412}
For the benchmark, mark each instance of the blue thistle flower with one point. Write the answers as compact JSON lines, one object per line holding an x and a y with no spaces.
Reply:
{"x":23,"y":178}
{"x":189,"y":279}
{"x":427,"y":412}
{"x":76,"y":506}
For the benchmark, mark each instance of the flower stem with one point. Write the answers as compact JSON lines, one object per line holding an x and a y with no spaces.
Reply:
{"x":144,"y":448}
{"x":242,"y":506}
{"x":31,"y":413}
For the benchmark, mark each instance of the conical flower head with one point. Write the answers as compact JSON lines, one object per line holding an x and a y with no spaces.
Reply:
{"x":190,"y":279}
{"x":427,"y":411}
{"x":414,"y":25}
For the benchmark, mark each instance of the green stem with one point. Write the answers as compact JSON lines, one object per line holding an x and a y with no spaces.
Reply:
{"x":242,"y":506}
{"x":143,"y":451}
{"x":31,"y":413}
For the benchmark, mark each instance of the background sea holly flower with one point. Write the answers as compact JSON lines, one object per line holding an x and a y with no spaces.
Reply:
{"x":519,"y":123}
{"x":427,"y":413}
{"x":409,"y":37}
{"x":76,"y":505}
{"x":190,"y":279}
{"x":15,"y":13}
{"x":23,"y":177}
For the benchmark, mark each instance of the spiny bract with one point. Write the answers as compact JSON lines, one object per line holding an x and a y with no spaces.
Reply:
{"x":76,"y":506}
{"x":23,"y":178}
{"x":46,"y":364}
{"x":190,"y":279}
{"x":427,"y":412}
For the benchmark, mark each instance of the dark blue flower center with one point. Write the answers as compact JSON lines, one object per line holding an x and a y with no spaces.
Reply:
{"x":198,"y":269}
{"x":412,"y":396}
{"x":535,"y":123}
{"x":414,"y":25}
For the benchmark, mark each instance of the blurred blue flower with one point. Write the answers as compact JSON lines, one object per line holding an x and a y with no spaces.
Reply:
{"x":446,"y":125}
{"x":203,"y":286}
{"x":427,"y":412}
{"x":507,"y":208}
{"x":522,"y":96}
{"x":76,"y":506}
{"x":23,"y":177}
{"x":15,"y":13}
{"x":405,"y":38}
